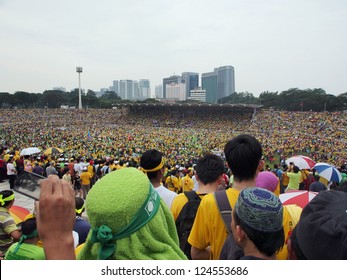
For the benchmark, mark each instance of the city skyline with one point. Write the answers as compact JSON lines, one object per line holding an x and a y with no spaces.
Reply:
{"x":273,"y":45}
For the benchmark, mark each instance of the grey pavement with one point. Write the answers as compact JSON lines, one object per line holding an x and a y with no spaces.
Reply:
{"x":25,"y":201}
{"x":19,"y":199}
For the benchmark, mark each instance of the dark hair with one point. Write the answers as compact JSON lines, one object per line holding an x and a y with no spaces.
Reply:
{"x":149,"y":160}
{"x":296,"y":169}
{"x":209,"y":168}
{"x":295,"y":245}
{"x":79,"y":202}
{"x":268,"y":243}
{"x":243,"y":154}
{"x":6,"y":193}
{"x":28,"y":226}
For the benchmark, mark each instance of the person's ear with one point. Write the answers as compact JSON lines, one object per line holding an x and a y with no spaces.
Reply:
{"x":240,"y":234}
{"x":219,"y":180}
{"x":261,"y":165}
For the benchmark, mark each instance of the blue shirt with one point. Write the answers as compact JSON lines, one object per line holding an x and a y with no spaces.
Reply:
{"x":82,"y":227}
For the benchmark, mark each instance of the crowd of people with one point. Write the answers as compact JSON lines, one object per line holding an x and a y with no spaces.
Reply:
{"x":182,"y":135}
{"x":143,"y":168}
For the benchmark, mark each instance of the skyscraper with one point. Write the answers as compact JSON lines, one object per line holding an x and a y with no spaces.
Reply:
{"x":158,"y":91}
{"x":144,"y":89}
{"x":126,"y":89}
{"x":171,"y":80}
{"x":209,"y":83}
{"x":192,"y":81}
{"x":219,"y":83}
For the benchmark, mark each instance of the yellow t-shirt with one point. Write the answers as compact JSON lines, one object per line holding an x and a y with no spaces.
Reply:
{"x":178,"y":202}
{"x":85,"y":178}
{"x":91,"y":170}
{"x":173,"y":183}
{"x":187,"y":183}
{"x":209,"y":229}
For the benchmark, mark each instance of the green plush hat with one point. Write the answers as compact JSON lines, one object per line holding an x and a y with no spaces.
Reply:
{"x":129,"y":220}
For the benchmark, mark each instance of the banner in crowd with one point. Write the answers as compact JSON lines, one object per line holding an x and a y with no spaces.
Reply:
{"x":28,"y":184}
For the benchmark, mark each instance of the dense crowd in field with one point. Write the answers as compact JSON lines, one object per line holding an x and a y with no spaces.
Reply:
{"x":181,"y":134}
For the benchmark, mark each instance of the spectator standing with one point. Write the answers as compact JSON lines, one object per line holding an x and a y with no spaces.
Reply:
{"x":11,"y":172}
{"x":152,"y":164}
{"x":243,"y":154}
{"x":50,"y":170}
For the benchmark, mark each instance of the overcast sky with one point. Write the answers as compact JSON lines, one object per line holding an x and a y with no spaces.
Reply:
{"x":273,"y":45}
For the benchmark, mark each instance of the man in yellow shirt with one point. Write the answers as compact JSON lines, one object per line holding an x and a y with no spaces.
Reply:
{"x":85,"y":178}
{"x":209,"y":171}
{"x":187,"y":181}
{"x":243,"y":154}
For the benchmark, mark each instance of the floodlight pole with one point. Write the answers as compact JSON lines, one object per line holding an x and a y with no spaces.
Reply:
{"x":79,"y":71}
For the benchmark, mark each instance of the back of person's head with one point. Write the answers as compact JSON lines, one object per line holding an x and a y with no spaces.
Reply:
{"x":259,"y":213}
{"x":296,"y":169}
{"x":124,"y":209}
{"x":321,"y":233}
{"x":209,"y":168}
{"x":29,"y":227}
{"x":243,"y":154}
{"x":151,"y":162}
{"x":276,"y":166}
{"x":6,"y":198}
{"x":79,"y":206}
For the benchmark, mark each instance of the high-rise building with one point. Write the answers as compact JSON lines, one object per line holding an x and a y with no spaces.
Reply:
{"x":225,"y":81}
{"x":176,"y":91}
{"x":209,"y":83}
{"x":126,"y":89}
{"x":192,"y":81}
{"x":144,"y":89}
{"x":135,"y":90}
{"x":219,"y":83}
{"x":198,"y":94}
{"x":60,"y":88}
{"x":158,"y":91}
{"x":171,"y":80}
{"x":115,"y":86}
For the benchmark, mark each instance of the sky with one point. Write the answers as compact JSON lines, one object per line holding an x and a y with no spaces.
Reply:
{"x":273,"y":45}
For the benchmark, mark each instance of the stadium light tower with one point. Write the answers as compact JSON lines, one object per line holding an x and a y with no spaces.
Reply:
{"x":79,"y":71}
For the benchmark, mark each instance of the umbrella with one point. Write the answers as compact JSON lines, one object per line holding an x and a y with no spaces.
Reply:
{"x":302,"y":162}
{"x":53,"y":150}
{"x":29,"y":151}
{"x":18,"y":213}
{"x":300,"y":198}
{"x":328,"y":172}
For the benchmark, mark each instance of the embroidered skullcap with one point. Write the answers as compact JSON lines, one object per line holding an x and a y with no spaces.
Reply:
{"x":260,"y":209}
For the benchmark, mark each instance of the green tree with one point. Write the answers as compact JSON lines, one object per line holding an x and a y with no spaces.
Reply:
{"x":5,"y":100}
{"x":54,"y":98}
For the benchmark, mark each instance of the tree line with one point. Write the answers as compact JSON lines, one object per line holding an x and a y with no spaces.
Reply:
{"x":293,"y":99}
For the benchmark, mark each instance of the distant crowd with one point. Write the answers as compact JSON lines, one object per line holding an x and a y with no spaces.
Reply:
{"x":183,"y":136}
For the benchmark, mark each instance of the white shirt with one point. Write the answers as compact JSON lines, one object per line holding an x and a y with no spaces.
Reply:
{"x":11,"y":170}
{"x":196,"y":185}
{"x":166,"y":195}
{"x":78,"y":168}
